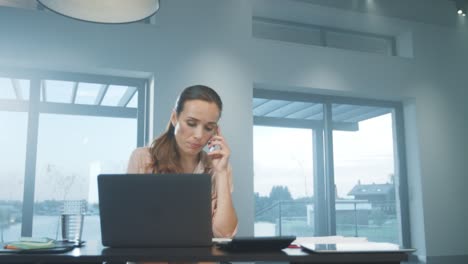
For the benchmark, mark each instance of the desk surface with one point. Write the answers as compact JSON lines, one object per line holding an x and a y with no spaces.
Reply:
{"x":94,"y":252}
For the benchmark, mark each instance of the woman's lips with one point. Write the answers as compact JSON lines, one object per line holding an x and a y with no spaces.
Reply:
{"x":194,"y":146}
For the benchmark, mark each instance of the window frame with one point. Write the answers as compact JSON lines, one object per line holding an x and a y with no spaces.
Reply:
{"x":322,"y":34}
{"x":324,"y":190}
{"x":34,"y":107}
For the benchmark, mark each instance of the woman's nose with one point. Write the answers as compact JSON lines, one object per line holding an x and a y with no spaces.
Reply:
{"x":198,"y":133}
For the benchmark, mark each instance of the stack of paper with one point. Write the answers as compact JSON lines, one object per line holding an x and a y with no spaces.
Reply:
{"x":328,"y":240}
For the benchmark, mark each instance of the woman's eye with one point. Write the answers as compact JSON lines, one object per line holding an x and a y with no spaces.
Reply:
{"x":209,"y":129}
{"x":191,"y":124}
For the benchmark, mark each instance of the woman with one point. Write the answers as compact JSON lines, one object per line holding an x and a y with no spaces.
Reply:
{"x":194,"y":124}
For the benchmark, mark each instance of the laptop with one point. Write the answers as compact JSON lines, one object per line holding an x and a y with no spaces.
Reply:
{"x":155,"y":210}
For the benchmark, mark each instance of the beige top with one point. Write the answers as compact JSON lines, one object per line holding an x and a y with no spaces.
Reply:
{"x":141,"y":162}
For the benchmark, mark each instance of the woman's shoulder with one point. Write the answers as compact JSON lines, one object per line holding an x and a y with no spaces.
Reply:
{"x":142,"y":153}
{"x":140,"y":160}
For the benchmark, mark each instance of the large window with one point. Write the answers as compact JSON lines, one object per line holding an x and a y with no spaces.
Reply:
{"x":60,"y":131}
{"x":327,"y":165}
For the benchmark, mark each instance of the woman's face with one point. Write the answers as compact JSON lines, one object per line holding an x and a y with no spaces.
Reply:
{"x":195,"y":125}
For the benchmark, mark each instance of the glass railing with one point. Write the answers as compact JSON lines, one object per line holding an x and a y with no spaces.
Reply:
{"x":357,"y":218}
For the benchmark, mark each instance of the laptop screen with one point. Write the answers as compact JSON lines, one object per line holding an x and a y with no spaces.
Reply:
{"x":155,"y":210}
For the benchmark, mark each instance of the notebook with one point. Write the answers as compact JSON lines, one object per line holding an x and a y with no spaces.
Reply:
{"x":155,"y":210}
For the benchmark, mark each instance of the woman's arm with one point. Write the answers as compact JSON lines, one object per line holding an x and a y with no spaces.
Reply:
{"x":224,"y":216}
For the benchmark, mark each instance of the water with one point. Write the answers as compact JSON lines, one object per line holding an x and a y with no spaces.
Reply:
{"x":49,"y":226}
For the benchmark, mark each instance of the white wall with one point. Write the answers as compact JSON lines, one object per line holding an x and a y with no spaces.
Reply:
{"x":209,"y":42}
{"x":430,"y":84}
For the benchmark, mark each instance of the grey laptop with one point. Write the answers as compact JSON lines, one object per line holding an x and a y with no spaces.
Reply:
{"x":155,"y":210}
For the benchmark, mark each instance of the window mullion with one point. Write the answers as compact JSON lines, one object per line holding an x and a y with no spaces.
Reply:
{"x":31,"y":155}
{"x":148,"y":112}
{"x":329,"y":169}
{"x":142,"y":106}
{"x":320,"y":208}
{"x":402,"y":178}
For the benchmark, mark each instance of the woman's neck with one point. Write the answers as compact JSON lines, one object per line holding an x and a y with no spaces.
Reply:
{"x":189,"y":163}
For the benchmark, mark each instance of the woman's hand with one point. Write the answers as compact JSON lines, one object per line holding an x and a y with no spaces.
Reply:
{"x":219,"y":156}
{"x":224,"y":217}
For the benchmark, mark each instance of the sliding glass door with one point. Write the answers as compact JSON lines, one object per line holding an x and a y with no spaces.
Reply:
{"x":327,"y":165}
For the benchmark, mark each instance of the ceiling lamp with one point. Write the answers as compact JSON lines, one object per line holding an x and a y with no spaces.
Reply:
{"x":461,"y":6}
{"x":104,"y":11}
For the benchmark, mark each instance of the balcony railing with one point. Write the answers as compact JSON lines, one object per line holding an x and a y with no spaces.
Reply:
{"x":377,"y":222}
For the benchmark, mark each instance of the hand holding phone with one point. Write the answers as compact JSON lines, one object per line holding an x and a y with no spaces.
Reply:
{"x":214,"y":146}
{"x":218,"y":151}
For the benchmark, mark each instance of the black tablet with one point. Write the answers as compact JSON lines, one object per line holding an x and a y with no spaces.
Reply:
{"x":256,"y":243}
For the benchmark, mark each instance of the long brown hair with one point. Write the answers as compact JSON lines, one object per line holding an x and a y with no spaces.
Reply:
{"x":163,"y":149}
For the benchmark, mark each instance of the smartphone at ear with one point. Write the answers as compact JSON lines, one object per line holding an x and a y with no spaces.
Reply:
{"x":214,"y":147}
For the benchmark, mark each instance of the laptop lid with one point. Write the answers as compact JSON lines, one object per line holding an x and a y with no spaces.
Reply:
{"x":155,"y":210}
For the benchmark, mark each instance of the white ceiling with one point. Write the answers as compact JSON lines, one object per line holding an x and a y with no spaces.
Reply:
{"x":436,"y":12}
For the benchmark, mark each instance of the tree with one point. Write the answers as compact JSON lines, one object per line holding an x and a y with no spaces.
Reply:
{"x":280,"y":193}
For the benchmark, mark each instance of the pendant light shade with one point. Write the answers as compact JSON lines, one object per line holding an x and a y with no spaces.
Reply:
{"x":104,"y":11}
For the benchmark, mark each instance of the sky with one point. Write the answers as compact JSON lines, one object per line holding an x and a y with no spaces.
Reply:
{"x":283,"y":156}
{"x":69,"y":148}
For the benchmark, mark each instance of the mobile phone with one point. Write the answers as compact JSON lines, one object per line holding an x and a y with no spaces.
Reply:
{"x":214,"y":147}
